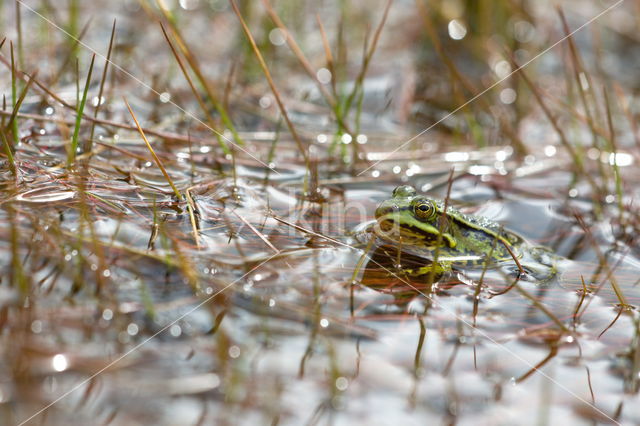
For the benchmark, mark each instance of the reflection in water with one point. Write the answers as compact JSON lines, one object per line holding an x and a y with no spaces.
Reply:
{"x":399,"y":274}
{"x":552,"y":317}
{"x":541,"y":323}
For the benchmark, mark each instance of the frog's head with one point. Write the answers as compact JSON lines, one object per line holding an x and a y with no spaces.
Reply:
{"x":410,"y":218}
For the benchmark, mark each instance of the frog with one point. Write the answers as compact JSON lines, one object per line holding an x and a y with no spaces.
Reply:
{"x":417,"y":225}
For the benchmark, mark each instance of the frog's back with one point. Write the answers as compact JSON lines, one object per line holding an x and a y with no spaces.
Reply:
{"x":482,"y":237}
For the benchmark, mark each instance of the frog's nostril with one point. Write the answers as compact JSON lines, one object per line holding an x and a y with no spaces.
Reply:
{"x":404,"y":191}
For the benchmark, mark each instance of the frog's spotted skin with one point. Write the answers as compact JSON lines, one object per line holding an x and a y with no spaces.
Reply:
{"x":413,"y":222}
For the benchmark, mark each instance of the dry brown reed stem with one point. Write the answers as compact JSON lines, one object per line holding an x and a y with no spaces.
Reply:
{"x":577,"y":161}
{"x":603,"y":261}
{"x":571,"y":109}
{"x":258,"y":233}
{"x":614,"y":150}
{"x":591,"y":88}
{"x":305,"y":64}
{"x":195,"y":91}
{"x":153,"y":154}
{"x":368,"y":55}
{"x":272,"y":85}
{"x":18,"y":21}
{"x":96,"y":246}
{"x":600,"y":131}
{"x":229,"y":85}
{"x":553,"y":351}
{"x":195,"y":67}
{"x":513,"y":255}
{"x":309,"y":231}
{"x":576,"y":312}
{"x":155,"y":231}
{"x":623,"y":100}
{"x":580,"y":73}
{"x":103,"y":79}
{"x":621,"y":308}
{"x":191,"y":207}
{"x":185,"y":264}
{"x":17,"y":276}
{"x":457,"y":75}
{"x":70,"y":54}
{"x":578,"y":68}
{"x":328,"y":55}
{"x":542,"y":308}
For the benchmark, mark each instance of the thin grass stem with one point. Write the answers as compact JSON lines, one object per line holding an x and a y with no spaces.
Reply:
{"x":89,"y":145}
{"x":153,"y":153}
{"x":614,"y":158}
{"x":203,"y":107}
{"x":71,"y":155}
{"x":297,"y":51}
{"x":191,"y":207}
{"x":274,"y":90}
{"x":70,"y":54}
{"x":9,"y":154}
{"x":206,"y":85}
{"x":14,"y":95}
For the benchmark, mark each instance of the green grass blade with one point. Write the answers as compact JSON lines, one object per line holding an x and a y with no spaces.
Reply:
{"x":7,"y":150}
{"x":71,"y":155}
{"x":12,"y":120}
{"x":14,"y":94}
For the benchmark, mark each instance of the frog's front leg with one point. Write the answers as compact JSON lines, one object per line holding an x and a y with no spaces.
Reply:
{"x":438,"y":269}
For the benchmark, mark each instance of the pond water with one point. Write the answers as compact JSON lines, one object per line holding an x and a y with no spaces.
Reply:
{"x":257,"y":297}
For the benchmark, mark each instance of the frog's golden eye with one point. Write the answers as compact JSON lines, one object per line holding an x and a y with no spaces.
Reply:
{"x":424,"y":210}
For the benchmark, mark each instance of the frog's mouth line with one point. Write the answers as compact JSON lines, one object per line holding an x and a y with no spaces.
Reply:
{"x":423,"y":234}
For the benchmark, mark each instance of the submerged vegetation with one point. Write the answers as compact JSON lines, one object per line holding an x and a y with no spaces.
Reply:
{"x":187,"y":190}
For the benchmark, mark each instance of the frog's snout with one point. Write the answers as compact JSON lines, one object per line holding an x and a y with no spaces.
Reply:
{"x":384,"y":209}
{"x":385,"y":217}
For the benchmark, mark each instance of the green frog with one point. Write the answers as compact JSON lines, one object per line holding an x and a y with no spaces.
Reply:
{"x":417,"y":225}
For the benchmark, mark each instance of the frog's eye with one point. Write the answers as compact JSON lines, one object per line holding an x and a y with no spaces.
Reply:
{"x":424,"y":210}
